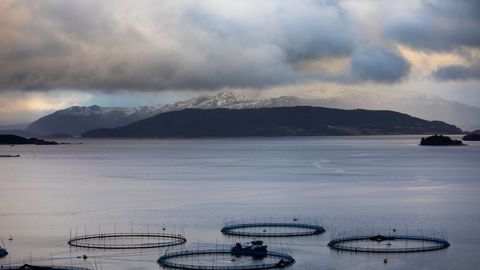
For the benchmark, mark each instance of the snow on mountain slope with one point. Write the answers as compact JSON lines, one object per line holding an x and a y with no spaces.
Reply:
{"x":78,"y":119}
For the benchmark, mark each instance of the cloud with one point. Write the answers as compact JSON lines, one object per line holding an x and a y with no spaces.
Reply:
{"x":442,"y":27}
{"x":149,"y":45}
{"x":379,"y":65}
{"x":23,"y":107}
{"x":158,"y":45}
{"x":458,"y":72}
{"x":438,"y":25}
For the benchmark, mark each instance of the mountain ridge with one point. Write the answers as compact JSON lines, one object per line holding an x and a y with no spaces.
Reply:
{"x":277,"y":121}
{"x":77,"y":119}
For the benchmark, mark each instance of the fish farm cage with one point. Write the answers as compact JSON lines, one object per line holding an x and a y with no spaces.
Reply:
{"x":389,"y":241}
{"x":273,"y":228}
{"x":216,"y":259}
{"x":127,"y":240}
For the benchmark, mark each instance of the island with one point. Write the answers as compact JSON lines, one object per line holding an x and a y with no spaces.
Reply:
{"x":439,"y":140}
{"x":274,"y":122}
{"x":472,"y":136}
{"x":14,"y":139}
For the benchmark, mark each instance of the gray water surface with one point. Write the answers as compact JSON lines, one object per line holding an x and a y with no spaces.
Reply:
{"x":348,"y":184}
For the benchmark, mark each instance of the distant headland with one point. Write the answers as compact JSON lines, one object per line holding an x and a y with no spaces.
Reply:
{"x":440,"y":140}
{"x":472,"y":136}
{"x":14,"y":139}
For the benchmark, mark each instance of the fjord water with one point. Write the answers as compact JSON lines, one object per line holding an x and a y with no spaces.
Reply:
{"x":193,"y":186}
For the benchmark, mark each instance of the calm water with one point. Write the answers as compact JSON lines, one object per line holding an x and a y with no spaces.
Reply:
{"x":194,"y":186}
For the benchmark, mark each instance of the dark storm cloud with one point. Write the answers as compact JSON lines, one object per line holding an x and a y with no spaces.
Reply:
{"x":440,"y":25}
{"x":457,"y":72}
{"x":379,"y":65}
{"x":155,"y":45}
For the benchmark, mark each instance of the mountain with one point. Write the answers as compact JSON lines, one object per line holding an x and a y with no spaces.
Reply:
{"x":279,"y":121}
{"x":76,"y":120}
{"x":409,"y":102}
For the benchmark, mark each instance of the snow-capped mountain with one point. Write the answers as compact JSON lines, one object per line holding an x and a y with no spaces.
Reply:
{"x":78,"y":119}
{"x":409,"y":102}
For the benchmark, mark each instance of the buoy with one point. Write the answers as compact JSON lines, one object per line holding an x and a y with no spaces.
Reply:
{"x":85,"y":257}
{"x":11,"y":238}
{"x":385,"y":260}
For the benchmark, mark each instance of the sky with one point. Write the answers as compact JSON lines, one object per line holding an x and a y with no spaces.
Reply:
{"x":55,"y":54}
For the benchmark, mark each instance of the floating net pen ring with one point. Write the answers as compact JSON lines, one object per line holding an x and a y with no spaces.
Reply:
{"x":168,"y":260}
{"x":129,"y":240}
{"x":305,"y":229}
{"x":388,"y":244}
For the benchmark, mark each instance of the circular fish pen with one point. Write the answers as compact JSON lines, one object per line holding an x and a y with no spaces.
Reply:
{"x":388,"y":244}
{"x":216,"y":259}
{"x":272,"y":229}
{"x":127,"y":240}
